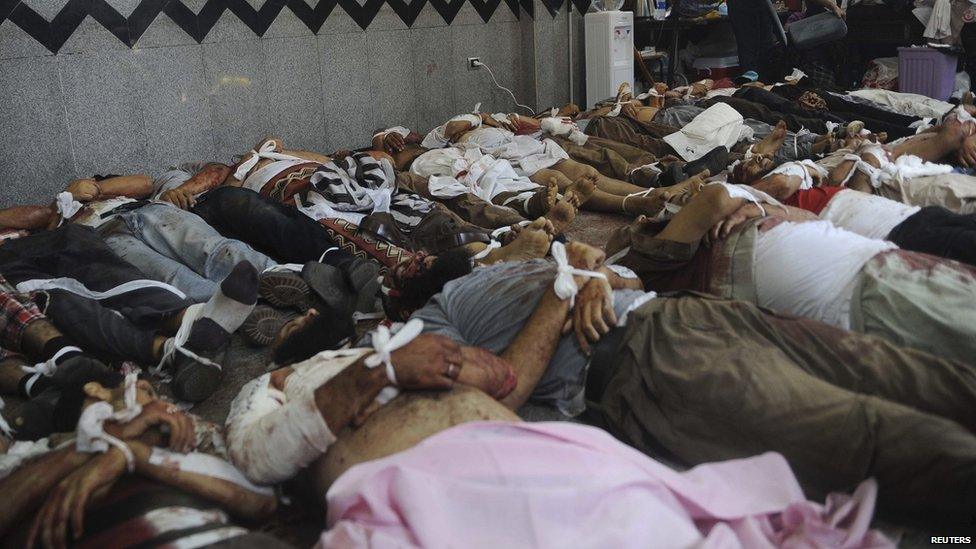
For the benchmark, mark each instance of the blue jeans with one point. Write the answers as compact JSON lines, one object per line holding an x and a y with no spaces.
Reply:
{"x":177,"y":247}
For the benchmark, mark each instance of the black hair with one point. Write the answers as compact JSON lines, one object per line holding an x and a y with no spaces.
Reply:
{"x":72,"y":399}
{"x":414,"y":292}
{"x":325,"y":331}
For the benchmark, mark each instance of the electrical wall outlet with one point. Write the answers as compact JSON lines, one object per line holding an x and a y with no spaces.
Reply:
{"x":474,"y":63}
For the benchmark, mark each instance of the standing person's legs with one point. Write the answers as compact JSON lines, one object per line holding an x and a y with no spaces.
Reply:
{"x":280,"y":231}
{"x":185,"y":237}
{"x":680,"y":388}
{"x":747,"y":23}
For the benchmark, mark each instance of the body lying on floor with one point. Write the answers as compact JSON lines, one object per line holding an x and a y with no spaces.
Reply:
{"x":790,"y":311}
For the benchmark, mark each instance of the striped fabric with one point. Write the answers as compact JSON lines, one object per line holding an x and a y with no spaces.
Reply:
{"x":360,"y":183}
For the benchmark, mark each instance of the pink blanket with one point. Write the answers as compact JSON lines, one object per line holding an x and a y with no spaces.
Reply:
{"x":512,"y":485}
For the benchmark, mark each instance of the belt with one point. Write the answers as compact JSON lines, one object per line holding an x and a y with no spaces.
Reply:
{"x":603,"y":363}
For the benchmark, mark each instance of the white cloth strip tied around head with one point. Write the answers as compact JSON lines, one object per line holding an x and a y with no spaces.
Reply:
{"x":266,"y":151}
{"x":46,"y":368}
{"x":4,"y":426}
{"x":67,"y":206}
{"x":384,"y":343}
{"x":565,"y":285}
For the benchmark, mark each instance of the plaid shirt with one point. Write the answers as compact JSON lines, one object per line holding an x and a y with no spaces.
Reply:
{"x":17,"y":312}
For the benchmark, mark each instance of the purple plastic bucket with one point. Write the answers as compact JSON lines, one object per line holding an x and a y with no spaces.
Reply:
{"x":926,"y":71}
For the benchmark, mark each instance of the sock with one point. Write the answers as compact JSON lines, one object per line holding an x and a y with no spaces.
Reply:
{"x":35,"y":388}
{"x":234,"y":299}
{"x":54,"y":346}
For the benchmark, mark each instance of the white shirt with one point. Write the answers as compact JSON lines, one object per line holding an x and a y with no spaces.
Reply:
{"x":810,"y":269}
{"x":866,"y":214}
{"x":527,"y":154}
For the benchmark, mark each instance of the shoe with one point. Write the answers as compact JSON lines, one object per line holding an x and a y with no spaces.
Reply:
{"x":196,"y":368}
{"x":382,"y":226}
{"x":714,"y":161}
{"x":442,"y":230}
{"x":285,"y":289}
{"x":262,"y":326}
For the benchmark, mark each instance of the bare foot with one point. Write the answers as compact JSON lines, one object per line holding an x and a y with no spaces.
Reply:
{"x":529,"y":244}
{"x":772,"y":142}
{"x":679,"y":193}
{"x":543,"y":200}
{"x":564,"y":212}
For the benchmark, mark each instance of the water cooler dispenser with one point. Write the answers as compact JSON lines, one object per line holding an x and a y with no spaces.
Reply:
{"x":609,"y":53}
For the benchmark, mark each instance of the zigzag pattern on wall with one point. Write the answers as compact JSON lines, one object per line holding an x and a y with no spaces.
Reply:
{"x":53,"y":34}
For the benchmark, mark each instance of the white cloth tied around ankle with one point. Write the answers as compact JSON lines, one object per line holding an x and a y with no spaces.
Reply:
{"x":404,"y":132}
{"x":565,"y":285}
{"x":266,"y":150}
{"x":922,"y":125}
{"x":384,"y":343}
{"x":129,"y":398}
{"x":493,"y":245}
{"x":495,"y":242}
{"x":46,"y":368}
{"x":67,"y":206}
{"x":4,"y":426}
{"x":92,"y":437}
{"x":175,"y":344}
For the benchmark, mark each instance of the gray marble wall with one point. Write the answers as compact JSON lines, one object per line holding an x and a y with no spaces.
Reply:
{"x":101,"y":107}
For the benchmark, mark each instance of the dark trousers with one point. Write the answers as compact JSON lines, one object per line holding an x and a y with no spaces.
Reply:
{"x":937,"y":231}
{"x":753,"y":33}
{"x":878,"y":120}
{"x":758,"y":111}
{"x":120,"y":327}
{"x":99,"y":329}
{"x":270,"y":227}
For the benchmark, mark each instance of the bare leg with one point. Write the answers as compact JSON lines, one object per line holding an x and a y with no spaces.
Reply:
{"x":575,"y":171}
{"x":772,"y":142}
{"x":401,"y":424}
{"x":931,"y":147}
{"x":11,"y":374}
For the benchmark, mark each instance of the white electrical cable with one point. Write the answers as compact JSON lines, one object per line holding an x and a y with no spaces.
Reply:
{"x":492,"y":75}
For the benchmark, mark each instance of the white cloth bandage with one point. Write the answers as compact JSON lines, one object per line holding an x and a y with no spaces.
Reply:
{"x":266,"y":150}
{"x":4,"y":426}
{"x":67,"y":206}
{"x":46,"y":368}
{"x":493,"y":245}
{"x":76,"y":287}
{"x":271,"y":437}
{"x":92,"y":437}
{"x":565,"y":285}
{"x":384,"y":344}
{"x":207,"y":465}
{"x":175,"y":344}
{"x":132,"y":406}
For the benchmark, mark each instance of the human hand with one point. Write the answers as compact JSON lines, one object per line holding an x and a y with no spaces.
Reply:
{"x":583,"y":256}
{"x":70,"y":497}
{"x":723,"y":228}
{"x":179,"y":198}
{"x":84,"y":190}
{"x":593,"y":316}
{"x":838,"y":11}
{"x":428,"y":362}
{"x":967,"y":152}
{"x":393,"y":142}
{"x":486,"y":371}
{"x":182,"y":429}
